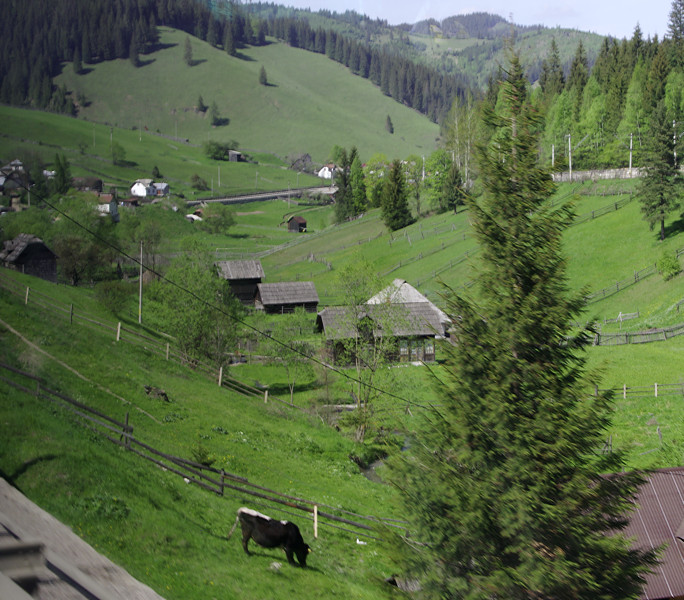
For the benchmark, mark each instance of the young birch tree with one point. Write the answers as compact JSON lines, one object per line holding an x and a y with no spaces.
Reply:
{"x":507,"y":490}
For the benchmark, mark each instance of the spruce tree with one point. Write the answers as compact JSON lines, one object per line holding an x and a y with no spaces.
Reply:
{"x":658,"y":190}
{"x":505,"y":484}
{"x":394,"y":203}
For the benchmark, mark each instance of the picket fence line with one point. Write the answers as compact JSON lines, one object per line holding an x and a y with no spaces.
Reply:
{"x":209,"y":478}
{"x":124,"y":334}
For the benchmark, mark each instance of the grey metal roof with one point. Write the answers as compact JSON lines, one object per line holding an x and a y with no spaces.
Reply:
{"x":13,"y":249}
{"x":402,"y":319}
{"x":240,"y":269}
{"x":288,"y":292}
{"x":659,"y":519}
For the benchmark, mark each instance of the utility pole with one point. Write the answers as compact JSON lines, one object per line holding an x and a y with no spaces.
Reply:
{"x":570,"y":154}
{"x":140,"y":284}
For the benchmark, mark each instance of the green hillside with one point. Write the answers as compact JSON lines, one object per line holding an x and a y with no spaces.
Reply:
{"x":170,"y":534}
{"x":310,"y":103}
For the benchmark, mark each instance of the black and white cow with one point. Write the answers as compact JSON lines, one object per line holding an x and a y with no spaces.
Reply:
{"x":270,"y":533}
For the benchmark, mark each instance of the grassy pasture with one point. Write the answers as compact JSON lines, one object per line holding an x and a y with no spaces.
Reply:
{"x":169,"y":534}
{"x":310,"y":103}
{"x":88,"y":148}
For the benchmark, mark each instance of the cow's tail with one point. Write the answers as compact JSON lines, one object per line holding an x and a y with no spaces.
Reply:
{"x":233,"y":527}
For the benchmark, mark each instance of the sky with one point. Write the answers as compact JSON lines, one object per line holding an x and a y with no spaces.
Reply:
{"x":605,"y":17}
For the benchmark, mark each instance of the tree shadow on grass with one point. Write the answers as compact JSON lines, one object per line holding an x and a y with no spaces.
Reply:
{"x":144,"y":63}
{"x":25,"y":466}
{"x":245,"y":57}
{"x":674,"y":228}
{"x":199,"y":61}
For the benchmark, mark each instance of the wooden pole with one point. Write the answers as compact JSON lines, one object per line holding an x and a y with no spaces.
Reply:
{"x":265,"y":396}
{"x":220,"y":381}
{"x":127,"y":434}
{"x":71,"y":315}
{"x":656,"y":390}
{"x":118,"y":331}
{"x":167,"y":351}
{"x":27,"y":295}
{"x":315,"y":521}
{"x":140,"y":284}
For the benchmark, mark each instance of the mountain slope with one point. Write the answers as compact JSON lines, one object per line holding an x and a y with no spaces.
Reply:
{"x":309,"y":104}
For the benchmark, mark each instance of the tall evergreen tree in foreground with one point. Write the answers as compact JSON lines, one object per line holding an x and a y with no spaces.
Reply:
{"x":505,"y":484}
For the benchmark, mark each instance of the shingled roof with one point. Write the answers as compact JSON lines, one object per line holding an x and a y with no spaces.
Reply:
{"x":13,"y":249}
{"x":287,"y":292}
{"x":400,"y":291}
{"x":240,"y":269}
{"x":406,"y":319}
{"x":659,"y":519}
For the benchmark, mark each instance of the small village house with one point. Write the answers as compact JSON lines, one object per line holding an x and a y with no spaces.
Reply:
{"x":399,"y":311}
{"x":285,"y":297}
{"x":243,"y":277}
{"x":28,"y":254}
{"x":143,"y":188}
{"x":296,"y":224}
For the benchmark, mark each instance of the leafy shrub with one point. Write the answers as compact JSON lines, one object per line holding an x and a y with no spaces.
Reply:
{"x":113,"y":295}
{"x":104,"y":505}
{"x":201,"y":455}
{"x":668,"y":266}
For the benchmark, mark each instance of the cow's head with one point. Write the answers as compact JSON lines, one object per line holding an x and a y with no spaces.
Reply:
{"x":302,"y":552}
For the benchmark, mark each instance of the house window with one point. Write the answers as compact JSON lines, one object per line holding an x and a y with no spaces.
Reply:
{"x":429,"y":347}
{"x":403,"y":350}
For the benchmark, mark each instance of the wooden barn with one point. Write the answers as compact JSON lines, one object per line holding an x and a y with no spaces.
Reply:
{"x":243,"y":277}
{"x":28,"y":254}
{"x":286,"y":296}
{"x":296,"y":224}
{"x":414,"y":325}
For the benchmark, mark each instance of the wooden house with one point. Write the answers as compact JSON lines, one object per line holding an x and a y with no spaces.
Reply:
{"x":413,"y":325}
{"x":296,"y":224}
{"x":286,"y":296}
{"x":28,"y":254}
{"x":243,"y":277}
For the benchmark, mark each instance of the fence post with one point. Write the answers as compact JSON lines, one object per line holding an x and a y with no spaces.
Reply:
{"x":127,"y":431}
{"x":220,"y":381}
{"x":118,"y":331}
{"x":624,"y":391}
{"x":315,"y":521}
{"x":223,"y":476}
{"x":656,"y":390}
{"x":265,"y":396}
{"x":167,"y":351}
{"x":71,"y":315}
{"x":27,"y":295}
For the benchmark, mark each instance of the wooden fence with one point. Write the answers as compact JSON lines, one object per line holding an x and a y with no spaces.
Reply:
{"x":165,"y":346}
{"x":656,"y":390}
{"x":206,"y":477}
{"x":638,"y":337}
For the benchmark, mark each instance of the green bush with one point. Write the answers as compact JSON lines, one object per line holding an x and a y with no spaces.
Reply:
{"x":113,"y":295}
{"x":668,"y":266}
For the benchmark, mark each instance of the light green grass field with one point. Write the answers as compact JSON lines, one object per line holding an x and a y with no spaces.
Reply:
{"x":310,"y":104}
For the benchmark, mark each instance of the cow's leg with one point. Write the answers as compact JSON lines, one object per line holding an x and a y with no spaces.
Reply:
{"x":290,"y":558}
{"x":246,"y":534}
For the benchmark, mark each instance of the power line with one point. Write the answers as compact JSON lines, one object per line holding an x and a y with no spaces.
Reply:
{"x":209,"y":305}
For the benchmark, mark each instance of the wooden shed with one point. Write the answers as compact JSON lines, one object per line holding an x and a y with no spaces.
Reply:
{"x":243,"y":277}
{"x":286,"y":296}
{"x":296,"y":224}
{"x":28,"y":254}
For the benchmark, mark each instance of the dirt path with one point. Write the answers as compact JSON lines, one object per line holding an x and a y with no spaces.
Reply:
{"x":72,"y":370}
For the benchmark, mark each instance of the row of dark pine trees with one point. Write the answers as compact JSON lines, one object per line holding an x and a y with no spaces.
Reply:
{"x":37,"y":37}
